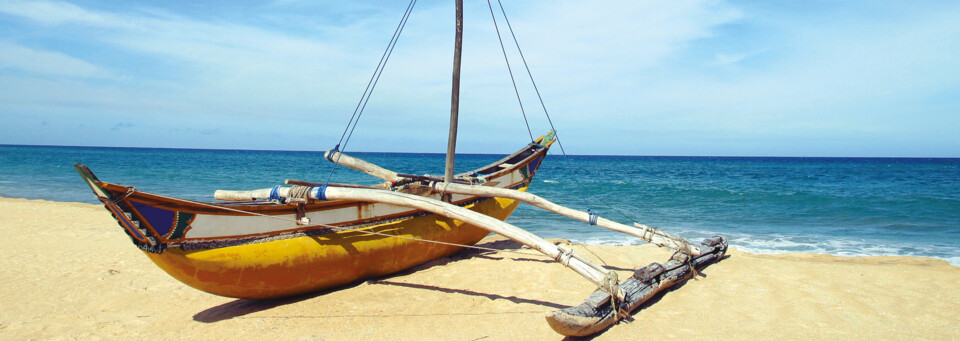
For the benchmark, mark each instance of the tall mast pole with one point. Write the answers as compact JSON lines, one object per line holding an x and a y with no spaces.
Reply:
{"x":454,"y":99}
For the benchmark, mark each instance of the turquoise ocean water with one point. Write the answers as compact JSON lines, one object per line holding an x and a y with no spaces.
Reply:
{"x":840,"y":206}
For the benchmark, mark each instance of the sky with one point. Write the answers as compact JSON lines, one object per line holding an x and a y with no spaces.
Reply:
{"x":686,"y":77}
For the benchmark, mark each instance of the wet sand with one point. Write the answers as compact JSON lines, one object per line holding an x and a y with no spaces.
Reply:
{"x":69,"y":272}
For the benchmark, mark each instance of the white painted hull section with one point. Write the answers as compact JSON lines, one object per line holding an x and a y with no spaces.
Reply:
{"x":206,"y":226}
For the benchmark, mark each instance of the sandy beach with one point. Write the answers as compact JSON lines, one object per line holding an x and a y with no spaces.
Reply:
{"x":68,"y":272}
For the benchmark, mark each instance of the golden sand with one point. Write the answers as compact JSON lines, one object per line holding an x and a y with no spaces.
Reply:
{"x":69,"y":272}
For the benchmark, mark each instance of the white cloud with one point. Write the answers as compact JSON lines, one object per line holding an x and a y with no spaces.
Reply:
{"x":648,"y":71}
{"x":727,"y":59}
{"x":53,"y":12}
{"x":227,"y":67}
{"x":617,"y":36}
{"x":835,"y":68}
{"x":223,"y":67}
{"x":49,"y":63}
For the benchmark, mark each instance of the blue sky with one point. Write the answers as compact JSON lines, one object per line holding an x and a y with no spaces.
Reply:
{"x":688,"y":77}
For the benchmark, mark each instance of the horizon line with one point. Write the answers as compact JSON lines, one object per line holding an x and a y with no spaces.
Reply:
{"x":440,"y":153}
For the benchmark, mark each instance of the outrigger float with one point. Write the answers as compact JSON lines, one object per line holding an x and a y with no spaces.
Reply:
{"x":306,"y":237}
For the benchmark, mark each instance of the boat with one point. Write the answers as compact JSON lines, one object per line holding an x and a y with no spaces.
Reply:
{"x":308,"y":236}
{"x":266,"y":249}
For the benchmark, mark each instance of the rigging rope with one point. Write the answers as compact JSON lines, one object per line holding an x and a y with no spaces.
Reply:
{"x":566,"y":158}
{"x":368,"y":91}
{"x":509,"y":69}
{"x":374,"y":79}
{"x":593,"y":216}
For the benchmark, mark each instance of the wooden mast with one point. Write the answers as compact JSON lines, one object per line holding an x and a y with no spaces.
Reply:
{"x":454,"y":100}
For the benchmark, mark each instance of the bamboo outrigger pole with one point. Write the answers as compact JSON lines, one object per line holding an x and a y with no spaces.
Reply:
{"x":339,"y":158}
{"x":649,"y":234}
{"x":614,"y":298}
{"x":646,"y":233}
{"x":600,"y":310}
{"x":603,"y":278}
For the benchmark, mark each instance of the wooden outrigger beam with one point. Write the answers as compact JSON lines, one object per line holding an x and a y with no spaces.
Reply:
{"x":600,"y":310}
{"x":611,"y":301}
{"x":606,"y":280}
{"x":646,"y":233}
{"x":339,"y":158}
{"x":603,"y":278}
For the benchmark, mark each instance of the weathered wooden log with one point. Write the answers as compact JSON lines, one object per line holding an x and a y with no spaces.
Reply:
{"x":644,"y":232}
{"x":597,"y":312}
{"x":360,"y":165}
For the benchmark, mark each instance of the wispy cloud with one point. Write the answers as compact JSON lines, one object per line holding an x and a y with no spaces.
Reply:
{"x":55,"y":12}
{"x":16,"y":57}
{"x":726,"y":59}
{"x":228,"y":67}
{"x":122,"y":125}
{"x":221,"y":66}
{"x":718,"y":75}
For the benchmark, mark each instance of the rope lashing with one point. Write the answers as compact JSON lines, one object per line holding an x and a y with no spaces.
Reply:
{"x":684,"y":251}
{"x":646,"y":233}
{"x":593,"y":217}
{"x":129,"y":192}
{"x":319,"y":192}
{"x":611,"y":281}
{"x":564,"y":256}
{"x":611,"y":284}
{"x":275,"y":194}
{"x":299,"y":192}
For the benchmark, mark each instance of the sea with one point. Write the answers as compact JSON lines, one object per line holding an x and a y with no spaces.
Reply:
{"x":767,"y":205}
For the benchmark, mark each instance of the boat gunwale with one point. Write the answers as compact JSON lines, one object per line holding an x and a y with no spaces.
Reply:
{"x":270,"y":208}
{"x":352,"y":225}
{"x":266,"y":208}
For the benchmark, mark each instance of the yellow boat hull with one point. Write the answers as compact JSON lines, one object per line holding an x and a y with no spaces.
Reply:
{"x":309,"y":263}
{"x":266,"y":249}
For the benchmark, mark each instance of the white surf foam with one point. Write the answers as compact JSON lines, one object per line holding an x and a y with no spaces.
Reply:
{"x":782,"y":244}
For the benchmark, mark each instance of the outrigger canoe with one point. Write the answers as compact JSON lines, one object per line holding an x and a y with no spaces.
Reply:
{"x":305,"y":237}
{"x":264,"y":249}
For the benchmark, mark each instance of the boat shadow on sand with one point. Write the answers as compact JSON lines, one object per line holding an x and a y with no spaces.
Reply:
{"x":241,"y":307}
